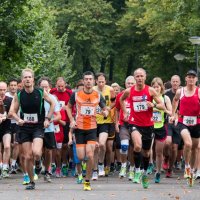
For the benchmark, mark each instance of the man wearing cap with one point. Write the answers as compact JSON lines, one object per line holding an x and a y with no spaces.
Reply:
{"x":188,"y":120}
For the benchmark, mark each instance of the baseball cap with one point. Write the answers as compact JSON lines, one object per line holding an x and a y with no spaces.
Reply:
{"x":191,"y":72}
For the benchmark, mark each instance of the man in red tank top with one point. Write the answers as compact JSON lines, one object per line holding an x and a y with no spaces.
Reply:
{"x":188,"y":121}
{"x":140,"y":120}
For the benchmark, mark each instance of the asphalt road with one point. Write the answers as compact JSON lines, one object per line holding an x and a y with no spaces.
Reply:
{"x":106,"y":188}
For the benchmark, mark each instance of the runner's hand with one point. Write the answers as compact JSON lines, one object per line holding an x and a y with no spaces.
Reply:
{"x":73,"y":124}
{"x":20,"y":122}
{"x":46,"y":123}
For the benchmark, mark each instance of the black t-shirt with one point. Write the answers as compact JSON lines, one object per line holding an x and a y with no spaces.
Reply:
{"x":32,"y":106}
{"x":5,"y":125}
{"x":170,"y":94}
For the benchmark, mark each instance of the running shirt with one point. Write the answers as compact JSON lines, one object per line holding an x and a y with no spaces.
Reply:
{"x":189,"y":109}
{"x":5,"y":125}
{"x":59,"y":132}
{"x":106,"y":94}
{"x":63,"y":97}
{"x":86,"y":108}
{"x":118,"y":106}
{"x":141,"y":114}
{"x":159,"y":115}
{"x":32,"y":107}
{"x":47,"y":108}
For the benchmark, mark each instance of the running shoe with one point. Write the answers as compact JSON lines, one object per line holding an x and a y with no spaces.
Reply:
{"x":178,"y":165}
{"x":53,"y":169}
{"x":58,"y":172}
{"x":101,"y":170}
{"x":35,"y":175}
{"x":30,"y":186}
{"x":13,"y":170}
{"x":26,"y":179}
{"x":131,"y":175}
{"x":47,"y":178}
{"x":107,"y":170}
{"x":197,"y":175}
{"x":150,"y":168}
{"x":187,"y":173}
{"x":94,"y":176}
{"x":64,"y":171}
{"x":157,"y":177}
{"x":165,"y":165}
{"x":5,"y":173}
{"x":80,"y":179}
{"x":122,"y":172}
{"x":145,"y":181}
{"x":136,"y":178}
{"x":87,"y":186}
{"x":168,"y":173}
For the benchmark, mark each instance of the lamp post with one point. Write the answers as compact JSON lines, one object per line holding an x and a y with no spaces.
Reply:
{"x":195,"y":40}
{"x":179,"y":57}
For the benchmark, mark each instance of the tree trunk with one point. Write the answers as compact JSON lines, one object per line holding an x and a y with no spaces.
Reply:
{"x":130,"y":66}
{"x":111,"y":68}
{"x":103,"y":65}
{"x":86,"y":63}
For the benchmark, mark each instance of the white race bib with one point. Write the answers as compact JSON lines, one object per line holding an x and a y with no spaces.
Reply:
{"x":62,"y":104}
{"x":87,"y":110}
{"x":157,"y":116}
{"x":98,"y":110}
{"x":189,"y":120}
{"x":31,"y":118}
{"x":140,"y":106}
{"x":57,"y":128}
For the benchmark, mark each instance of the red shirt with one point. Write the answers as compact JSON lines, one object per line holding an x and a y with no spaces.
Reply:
{"x":141,"y":114}
{"x":59,"y":132}
{"x":189,"y":109}
{"x":63,"y":97}
{"x":118,"y":107}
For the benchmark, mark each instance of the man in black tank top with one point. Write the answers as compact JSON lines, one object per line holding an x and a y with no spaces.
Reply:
{"x":32,"y":121}
{"x":5,"y":133}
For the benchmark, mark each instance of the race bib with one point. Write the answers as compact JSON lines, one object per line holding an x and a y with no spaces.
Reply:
{"x":31,"y":118}
{"x":157,"y":116}
{"x":62,"y":104}
{"x":98,"y":109}
{"x":189,"y":120}
{"x":140,"y":106}
{"x":57,"y":128}
{"x":87,"y":110}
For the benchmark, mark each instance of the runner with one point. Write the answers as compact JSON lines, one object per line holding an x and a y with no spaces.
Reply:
{"x":5,"y":132}
{"x":63,"y":93}
{"x":49,"y":138}
{"x":85,"y":125}
{"x":173,"y":138}
{"x":125,"y":137}
{"x":105,"y":128}
{"x":12,"y":89}
{"x":31,"y":122}
{"x":160,"y":124}
{"x":140,"y":119}
{"x":188,"y":121}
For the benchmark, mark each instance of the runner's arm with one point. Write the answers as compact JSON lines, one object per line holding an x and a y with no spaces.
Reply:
{"x":159,"y":104}
{"x":52,"y":105}
{"x":124,"y":96}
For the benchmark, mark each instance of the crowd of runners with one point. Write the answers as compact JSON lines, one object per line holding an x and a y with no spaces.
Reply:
{"x":96,"y":130}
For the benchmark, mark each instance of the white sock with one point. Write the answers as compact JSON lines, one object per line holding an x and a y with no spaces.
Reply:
{"x":124,"y":164}
{"x":137,"y":170}
{"x":13,"y":162}
{"x":1,"y":165}
{"x":132,"y":168}
{"x":63,"y":165}
{"x":187,"y":165}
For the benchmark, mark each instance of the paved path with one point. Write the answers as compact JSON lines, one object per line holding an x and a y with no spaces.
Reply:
{"x":111,"y":188}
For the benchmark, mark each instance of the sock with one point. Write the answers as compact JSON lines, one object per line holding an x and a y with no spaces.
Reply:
{"x":87,"y":181}
{"x":64,"y":165}
{"x":37,"y":163}
{"x":137,"y":157}
{"x":13,"y":163}
{"x":137,"y":170}
{"x":5,"y":166}
{"x":100,"y":163}
{"x":1,"y":165}
{"x":132,"y":168}
{"x":124,"y":164}
{"x":187,"y":165}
